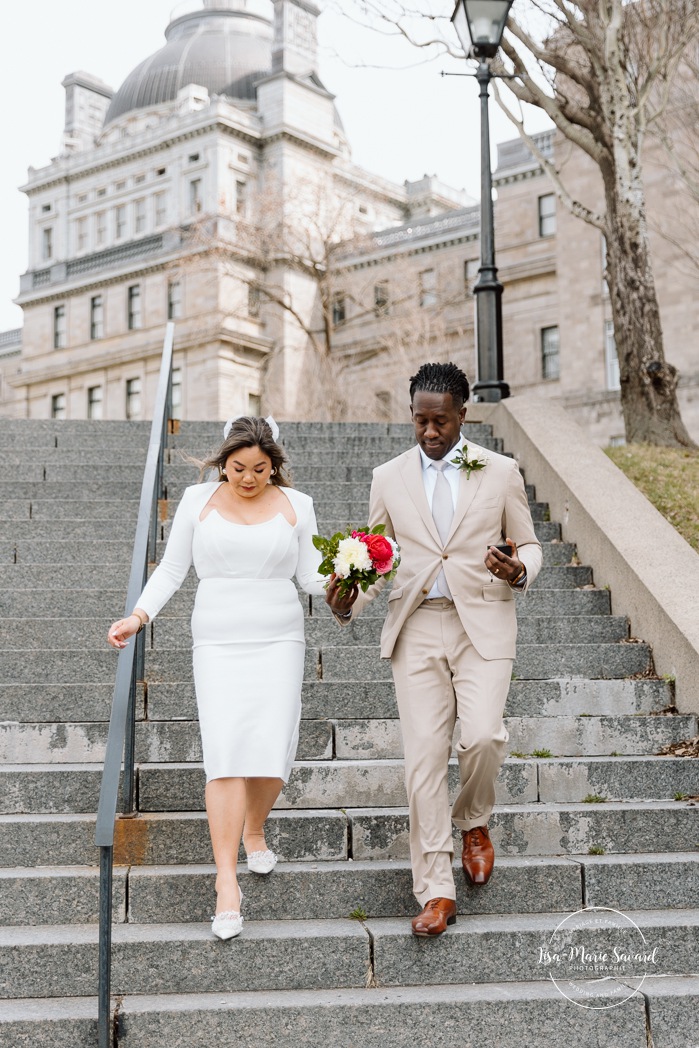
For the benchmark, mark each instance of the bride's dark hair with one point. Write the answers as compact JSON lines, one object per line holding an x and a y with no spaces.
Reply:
{"x":250,"y":432}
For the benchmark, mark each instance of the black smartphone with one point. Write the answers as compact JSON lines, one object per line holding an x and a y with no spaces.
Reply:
{"x":507,"y":550}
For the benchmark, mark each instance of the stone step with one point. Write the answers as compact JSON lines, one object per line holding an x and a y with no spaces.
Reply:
{"x":113,"y":576}
{"x":31,"y":895}
{"x":178,"y":740}
{"x":502,"y":1014}
{"x":90,"y":458}
{"x":546,"y":829}
{"x":61,"y":960}
{"x":37,"y":602}
{"x":26,"y":742}
{"x":109,"y":551}
{"x":353,"y":783}
{"x":58,"y":960}
{"x":96,"y":665}
{"x":317,"y":891}
{"x":169,"y":701}
{"x":44,"y":508}
{"x":167,"y":838}
{"x":178,"y":786}
{"x":533,"y":661}
{"x":563,"y":736}
{"x":77,"y":490}
{"x":333,"y":890}
{"x":60,"y":472}
{"x":67,"y":531}
{"x":376,"y":699}
{"x":476,"y":948}
{"x":171,"y":632}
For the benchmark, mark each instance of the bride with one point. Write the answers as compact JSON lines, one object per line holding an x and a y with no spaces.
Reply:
{"x":247,"y":534}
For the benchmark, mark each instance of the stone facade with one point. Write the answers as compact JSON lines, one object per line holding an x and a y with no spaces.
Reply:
{"x":299,"y":283}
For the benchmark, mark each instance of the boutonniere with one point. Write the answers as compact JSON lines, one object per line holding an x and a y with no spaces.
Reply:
{"x":468,"y":465}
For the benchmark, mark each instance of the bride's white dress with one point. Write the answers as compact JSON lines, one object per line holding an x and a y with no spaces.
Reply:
{"x":247,"y":628}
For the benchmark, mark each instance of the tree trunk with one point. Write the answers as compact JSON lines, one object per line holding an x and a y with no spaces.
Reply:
{"x":648,"y":382}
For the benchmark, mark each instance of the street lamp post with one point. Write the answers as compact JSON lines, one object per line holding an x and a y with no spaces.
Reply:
{"x":480,"y":25}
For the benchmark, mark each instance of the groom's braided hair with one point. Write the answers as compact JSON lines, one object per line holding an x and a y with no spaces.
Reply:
{"x":441,"y":378}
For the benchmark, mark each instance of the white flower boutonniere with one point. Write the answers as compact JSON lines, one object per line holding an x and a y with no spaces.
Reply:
{"x":469,"y":465}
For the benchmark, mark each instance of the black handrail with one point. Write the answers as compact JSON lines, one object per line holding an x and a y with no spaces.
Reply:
{"x":130,"y":669}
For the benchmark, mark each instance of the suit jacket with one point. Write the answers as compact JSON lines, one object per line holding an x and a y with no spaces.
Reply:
{"x":491,"y":504}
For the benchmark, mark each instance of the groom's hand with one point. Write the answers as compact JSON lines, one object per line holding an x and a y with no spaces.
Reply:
{"x":339,"y":603}
{"x":502,"y":566}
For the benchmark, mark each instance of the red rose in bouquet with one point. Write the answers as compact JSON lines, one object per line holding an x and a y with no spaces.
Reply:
{"x":380,"y":550}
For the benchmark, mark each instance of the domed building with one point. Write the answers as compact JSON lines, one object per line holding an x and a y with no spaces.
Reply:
{"x":188,"y":194}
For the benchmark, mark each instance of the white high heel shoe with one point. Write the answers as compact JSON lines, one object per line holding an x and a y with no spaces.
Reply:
{"x":262,"y":861}
{"x":228,"y":924}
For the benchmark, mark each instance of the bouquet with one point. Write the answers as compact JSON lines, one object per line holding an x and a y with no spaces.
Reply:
{"x":358,"y":557}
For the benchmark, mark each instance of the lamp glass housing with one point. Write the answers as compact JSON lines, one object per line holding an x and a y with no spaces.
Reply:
{"x":480,"y":24}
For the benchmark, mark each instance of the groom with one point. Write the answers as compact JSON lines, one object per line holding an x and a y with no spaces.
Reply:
{"x":450,"y":629}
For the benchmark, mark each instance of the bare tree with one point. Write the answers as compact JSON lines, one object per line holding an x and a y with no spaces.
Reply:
{"x":602,"y":73}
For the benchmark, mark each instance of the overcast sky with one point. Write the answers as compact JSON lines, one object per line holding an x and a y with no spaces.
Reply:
{"x":401,"y":122}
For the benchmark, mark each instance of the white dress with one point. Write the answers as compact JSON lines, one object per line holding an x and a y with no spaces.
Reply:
{"x":247,"y":628}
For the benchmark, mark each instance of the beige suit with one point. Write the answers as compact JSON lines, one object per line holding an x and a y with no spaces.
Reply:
{"x":450,"y":659}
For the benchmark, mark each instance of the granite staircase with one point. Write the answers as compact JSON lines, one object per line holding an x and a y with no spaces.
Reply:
{"x":588,"y":815}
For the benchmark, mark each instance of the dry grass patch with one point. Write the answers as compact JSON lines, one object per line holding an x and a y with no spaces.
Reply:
{"x":669,"y":478}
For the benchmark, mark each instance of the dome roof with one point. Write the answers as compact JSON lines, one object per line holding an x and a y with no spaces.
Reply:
{"x":225,"y":48}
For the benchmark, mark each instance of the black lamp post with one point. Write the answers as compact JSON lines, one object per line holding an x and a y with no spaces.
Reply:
{"x":480,"y":25}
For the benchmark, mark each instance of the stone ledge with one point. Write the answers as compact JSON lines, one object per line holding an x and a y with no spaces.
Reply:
{"x":652,"y":572}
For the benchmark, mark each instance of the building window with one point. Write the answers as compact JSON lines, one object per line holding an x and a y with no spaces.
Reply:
{"x":381,"y":298}
{"x":100,"y":228}
{"x":94,"y":402}
{"x":96,"y":317}
{"x":45,"y":208}
{"x":134,"y":307}
{"x":160,"y":209}
{"x":101,"y":192}
{"x":241,"y":198}
{"x":176,"y":393}
{"x":118,"y":186}
{"x":81,"y":235}
{"x":611,"y":359}
{"x":193,"y":158}
{"x":194,"y":196}
{"x":253,"y":301}
{"x":133,"y":398}
{"x":59,"y":328}
{"x":58,"y":405}
{"x":383,"y":404}
{"x":254,"y":404}
{"x":139,"y":180}
{"x":120,"y":221}
{"x":47,"y":244}
{"x":139,"y":215}
{"x":339,"y":310}
{"x":428,"y":288}
{"x":82,"y":197}
{"x":547,"y":215}
{"x":174,"y":300}
{"x":550,"y":354}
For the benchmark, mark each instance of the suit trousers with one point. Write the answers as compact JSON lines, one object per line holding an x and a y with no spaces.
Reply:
{"x":440,"y":676}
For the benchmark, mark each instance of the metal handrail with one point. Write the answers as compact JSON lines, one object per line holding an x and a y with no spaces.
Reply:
{"x":130,"y":669}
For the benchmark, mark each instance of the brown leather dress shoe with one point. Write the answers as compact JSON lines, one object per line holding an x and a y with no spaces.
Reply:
{"x":435,"y":917}
{"x":478,"y":855}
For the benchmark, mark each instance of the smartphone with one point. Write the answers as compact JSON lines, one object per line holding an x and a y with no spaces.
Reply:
{"x":507,"y":549}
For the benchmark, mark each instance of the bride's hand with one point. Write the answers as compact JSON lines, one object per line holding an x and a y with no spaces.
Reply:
{"x":122,"y":630}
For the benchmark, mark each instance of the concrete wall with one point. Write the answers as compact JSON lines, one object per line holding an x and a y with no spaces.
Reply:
{"x":653,"y":574}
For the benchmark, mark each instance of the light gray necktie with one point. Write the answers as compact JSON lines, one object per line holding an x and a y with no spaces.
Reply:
{"x":443,"y":513}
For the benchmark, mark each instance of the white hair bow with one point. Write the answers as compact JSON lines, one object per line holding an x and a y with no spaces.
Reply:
{"x":269,"y":420}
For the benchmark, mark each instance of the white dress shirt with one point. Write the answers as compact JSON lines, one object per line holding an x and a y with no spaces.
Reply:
{"x":429,"y":479}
